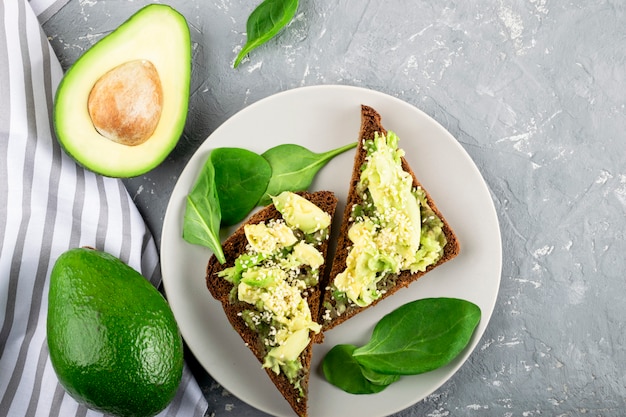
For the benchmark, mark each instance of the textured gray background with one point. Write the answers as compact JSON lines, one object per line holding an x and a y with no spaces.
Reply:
{"x":534,"y":90}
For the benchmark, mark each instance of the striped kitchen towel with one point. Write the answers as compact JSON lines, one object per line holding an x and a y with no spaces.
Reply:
{"x":49,"y":204}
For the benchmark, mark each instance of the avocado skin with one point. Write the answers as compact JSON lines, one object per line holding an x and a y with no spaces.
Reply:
{"x":113,"y":340}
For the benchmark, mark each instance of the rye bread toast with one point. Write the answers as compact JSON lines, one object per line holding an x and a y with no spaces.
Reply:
{"x":221,"y":289}
{"x":329,"y":315}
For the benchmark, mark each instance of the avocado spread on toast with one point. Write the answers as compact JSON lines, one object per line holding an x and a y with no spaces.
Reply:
{"x":393,"y":229}
{"x":281,"y":263}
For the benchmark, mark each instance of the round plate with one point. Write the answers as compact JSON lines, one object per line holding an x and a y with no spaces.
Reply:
{"x":323,"y":118}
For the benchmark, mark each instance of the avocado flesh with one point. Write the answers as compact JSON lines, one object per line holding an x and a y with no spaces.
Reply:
{"x":158,"y":34}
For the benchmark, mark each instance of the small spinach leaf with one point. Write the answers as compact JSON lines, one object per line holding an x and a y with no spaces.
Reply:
{"x":241,"y":177}
{"x":419,"y":336}
{"x":201,"y":225}
{"x":341,"y":370}
{"x":294,"y":167}
{"x":377,"y":378}
{"x":265,"y":22}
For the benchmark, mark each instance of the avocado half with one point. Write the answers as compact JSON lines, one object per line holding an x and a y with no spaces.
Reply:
{"x":152,"y":49}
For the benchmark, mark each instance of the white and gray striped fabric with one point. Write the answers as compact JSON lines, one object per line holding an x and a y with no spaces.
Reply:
{"x":49,"y":204}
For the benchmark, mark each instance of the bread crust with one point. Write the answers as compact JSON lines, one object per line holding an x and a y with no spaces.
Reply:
{"x":220,"y":290}
{"x":371,"y":122}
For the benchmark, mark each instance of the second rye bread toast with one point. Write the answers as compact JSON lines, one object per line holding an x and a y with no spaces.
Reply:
{"x":223,"y":291}
{"x":336,"y":309}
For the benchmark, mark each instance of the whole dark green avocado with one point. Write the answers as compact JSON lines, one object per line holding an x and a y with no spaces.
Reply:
{"x":113,"y":340}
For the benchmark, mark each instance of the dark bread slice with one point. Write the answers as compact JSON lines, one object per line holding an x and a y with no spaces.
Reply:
{"x":370,"y":124}
{"x":221,"y":288}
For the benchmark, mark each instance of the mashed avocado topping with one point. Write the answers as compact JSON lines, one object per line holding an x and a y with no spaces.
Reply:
{"x":281,"y":263}
{"x":394,"y":229}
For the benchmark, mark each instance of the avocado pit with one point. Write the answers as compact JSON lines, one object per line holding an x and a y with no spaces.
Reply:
{"x":125,"y":104}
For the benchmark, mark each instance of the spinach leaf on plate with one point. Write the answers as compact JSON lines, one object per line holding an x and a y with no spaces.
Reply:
{"x":341,"y":370}
{"x":294,"y":167}
{"x":202,"y":219}
{"x":241,"y":178}
{"x":419,"y":336}
{"x":234,"y":181}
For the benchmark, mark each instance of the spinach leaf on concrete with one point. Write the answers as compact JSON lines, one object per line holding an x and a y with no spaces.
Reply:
{"x":419,"y":336}
{"x":241,"y":178}
{"x":265,"y":22}
{"x":341,"y":370}
{"x":201,"y":224}
{"x":294,"y":167}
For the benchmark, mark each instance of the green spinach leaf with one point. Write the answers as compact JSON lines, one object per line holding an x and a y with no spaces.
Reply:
{"x":377,"y":378}
{"x":265,"y":22}
{"x":294,"y":167}
{"x":234,"y":180}
{"x":419,"y":336}
{"x":341,"y":370}
{"x":201,"y":225}
{"x":241,"y":178}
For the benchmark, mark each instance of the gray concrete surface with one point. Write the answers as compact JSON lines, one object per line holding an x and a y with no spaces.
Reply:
{"x":534,"y":90}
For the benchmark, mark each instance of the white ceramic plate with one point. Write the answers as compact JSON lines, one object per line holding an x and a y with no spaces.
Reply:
{"x":322,"y":118}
